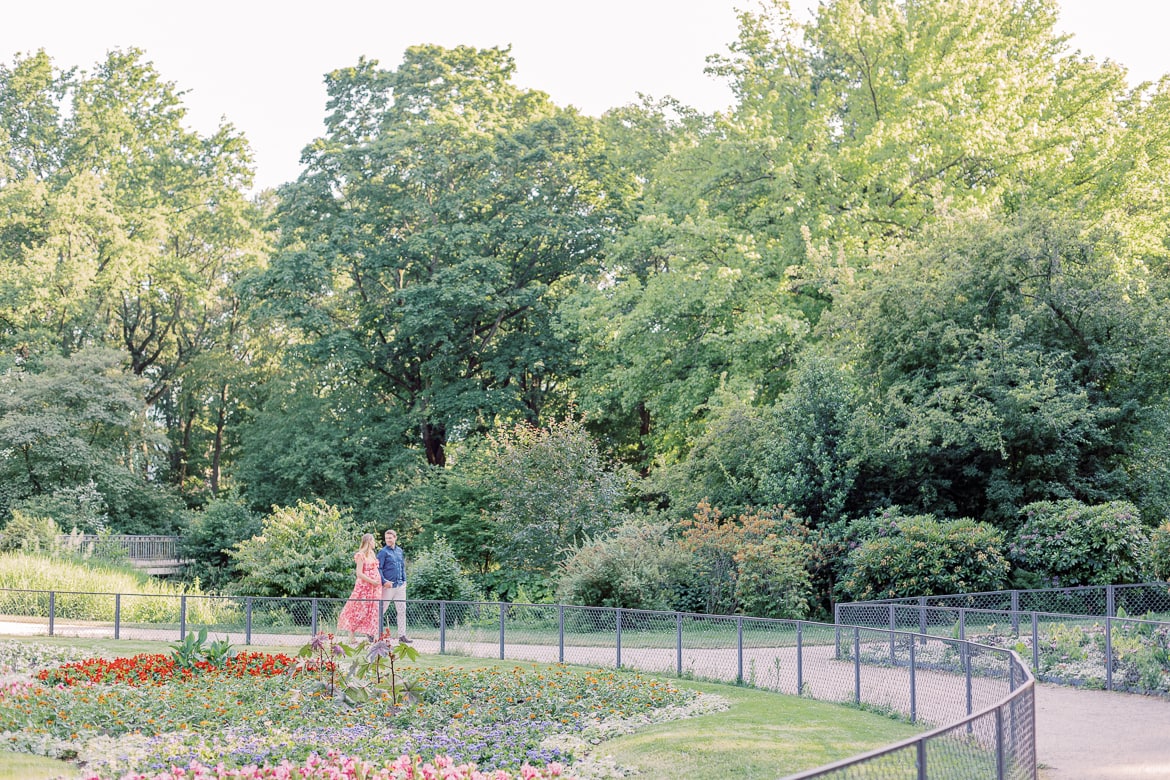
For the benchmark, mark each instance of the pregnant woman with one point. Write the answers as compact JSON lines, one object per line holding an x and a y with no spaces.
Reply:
{"x":360,"y":613}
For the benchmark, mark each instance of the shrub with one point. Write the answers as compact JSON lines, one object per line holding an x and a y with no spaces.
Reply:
{"x":1070,"y":543}
{"x":209,"y":536}
{"x":305,"y":550}
{"x":636,"y":566}
{"x":1158,"y":553}
{"x":29,"y":533}
{"x":437,"y":576}
{"x":922,"y":556}
{"x":772,"y":581}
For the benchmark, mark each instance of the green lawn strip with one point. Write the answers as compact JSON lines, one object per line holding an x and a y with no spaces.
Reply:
{"x":761,"y":735}
{"x":22,"y":766}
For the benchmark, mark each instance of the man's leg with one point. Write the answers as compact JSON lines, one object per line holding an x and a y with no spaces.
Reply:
{"x":400,"y":606}
{"x":387,"y":596}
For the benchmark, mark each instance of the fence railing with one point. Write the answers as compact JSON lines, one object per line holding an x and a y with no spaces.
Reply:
{"x":137,"y":547}
{"x":1115,"y":637}
{"x":978,"y":700}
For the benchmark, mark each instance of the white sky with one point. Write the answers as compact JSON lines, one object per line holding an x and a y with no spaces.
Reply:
{"x":259,"y":63}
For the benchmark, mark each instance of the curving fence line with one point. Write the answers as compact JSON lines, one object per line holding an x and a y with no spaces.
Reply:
{"x":1114,"y":637}
{"x":976,"y":702}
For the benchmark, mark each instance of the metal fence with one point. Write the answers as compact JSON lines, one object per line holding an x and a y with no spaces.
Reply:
{"x":1100,"y":643}
{"x":978,"y":700}
{"x":137,"y":547}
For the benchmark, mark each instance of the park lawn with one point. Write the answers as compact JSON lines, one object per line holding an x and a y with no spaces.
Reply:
{"x":761,"y":735}
{"x":22,"y":766}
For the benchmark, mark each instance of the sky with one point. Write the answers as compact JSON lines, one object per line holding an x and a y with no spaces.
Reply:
{"x":258,"y":64}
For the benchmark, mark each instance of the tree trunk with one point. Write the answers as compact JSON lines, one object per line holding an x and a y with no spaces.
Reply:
{"x":434,"y":440}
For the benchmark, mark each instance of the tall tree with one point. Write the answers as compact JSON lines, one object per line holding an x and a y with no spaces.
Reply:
{"x":422,"y":245}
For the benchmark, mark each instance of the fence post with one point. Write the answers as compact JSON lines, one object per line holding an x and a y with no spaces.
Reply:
{"x":913,"y":688}
{"x":922,"y":615}
{"x":501,"y":630}
{"x":1035,"y":643}
{"x":678,"y":643}
{"x":962,"y":624}
{"x":893,"y":628}
{"x":1110,"y":601}
{"x":799,"y":659}
{"x":52,"y":610}
{"x":117,"y":616}
{"x":920,"y":758}
{"x":314,"y":619}
{"x":1108,"y":652}
{"x":856,"y":665}
{"x":248,"y":620}
{"x":618,"y":621}
{"x":1015,"y":612}
{"x":442,"y":627}
{"x":560,"y":633}
{"x":967,"y":673}
{"x":837,"y":632}
{"x":182,"y":617}
{"x":739,"y":650}
{"x":999,"y":762}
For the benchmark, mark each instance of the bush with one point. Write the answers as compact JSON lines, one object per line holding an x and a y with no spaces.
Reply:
{"x":306,"y":550}
{"x":1158,"y":553}
{"x":29,"y":533}
{"x":209,"y":536}
{"x":437,"y":576}
{"x":772,"y":581}
{"x":922,"y":556}
{"x":1069,"y":543}
{"x":636,"y":566}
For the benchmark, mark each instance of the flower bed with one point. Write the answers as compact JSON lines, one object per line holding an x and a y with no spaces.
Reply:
{"x":141,"y":715}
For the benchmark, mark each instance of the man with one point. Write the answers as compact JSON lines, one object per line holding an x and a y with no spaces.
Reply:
{"x":393,"y":566}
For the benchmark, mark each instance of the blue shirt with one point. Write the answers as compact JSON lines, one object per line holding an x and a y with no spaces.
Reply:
{"x":393,"y":566}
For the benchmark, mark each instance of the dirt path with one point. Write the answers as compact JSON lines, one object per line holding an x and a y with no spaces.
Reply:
{"x":1098,"y":735}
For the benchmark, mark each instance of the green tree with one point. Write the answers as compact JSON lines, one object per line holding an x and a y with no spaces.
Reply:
{"x":1068,"y":543}
{"x":209,"y":536}
{"x":422,"y":247}
{"x":77,"y":420}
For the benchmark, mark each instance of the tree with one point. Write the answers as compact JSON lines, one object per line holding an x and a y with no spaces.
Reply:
{"x":207,"y":541}
{"x":422,"y":246}
{"x":77,"y":420}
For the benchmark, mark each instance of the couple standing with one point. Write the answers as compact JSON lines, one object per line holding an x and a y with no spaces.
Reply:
{"x":381,"y":578}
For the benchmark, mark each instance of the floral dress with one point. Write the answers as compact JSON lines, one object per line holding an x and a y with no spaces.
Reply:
{"x":360,"y":614}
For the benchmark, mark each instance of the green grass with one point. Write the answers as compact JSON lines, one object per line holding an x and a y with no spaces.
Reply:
{"x":761,"y":735}
{"x":22,"y":766}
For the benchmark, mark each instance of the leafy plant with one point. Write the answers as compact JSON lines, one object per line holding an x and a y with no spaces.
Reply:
{"x":1071,"y":543}
{"x":361,"y":678}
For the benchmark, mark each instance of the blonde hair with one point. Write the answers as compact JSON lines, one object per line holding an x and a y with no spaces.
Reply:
{"x":367,"y":545}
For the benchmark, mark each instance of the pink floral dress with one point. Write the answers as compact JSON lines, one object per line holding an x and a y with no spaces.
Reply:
{"x":360,"y":614}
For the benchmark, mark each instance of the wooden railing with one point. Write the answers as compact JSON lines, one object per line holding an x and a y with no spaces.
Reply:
{"x":138,"y":548}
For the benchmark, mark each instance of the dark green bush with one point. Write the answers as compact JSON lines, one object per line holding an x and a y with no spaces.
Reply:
{"x":922,"y":556}
{"x":209,"y":537}
{"x":1158,"y":553}
{"x":1069,"y":543}
{"x":437,"y":576}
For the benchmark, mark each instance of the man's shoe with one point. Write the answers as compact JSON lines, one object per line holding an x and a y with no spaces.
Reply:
{"x":404,"y":640}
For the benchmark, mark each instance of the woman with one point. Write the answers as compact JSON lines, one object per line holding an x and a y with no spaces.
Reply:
{"x":360,"y":613}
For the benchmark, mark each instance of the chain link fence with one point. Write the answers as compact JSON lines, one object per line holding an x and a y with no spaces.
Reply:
{"x":978,"y":699}
{"x":1101,"y":643}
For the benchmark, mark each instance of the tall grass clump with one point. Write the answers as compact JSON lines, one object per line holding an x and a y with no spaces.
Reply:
{"x":84,"y":591}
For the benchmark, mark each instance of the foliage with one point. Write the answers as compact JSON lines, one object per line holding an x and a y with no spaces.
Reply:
{"x":715,"y":541}
{"x":638,"y":565}
{"x":76,"y":420}
{"x":772,"y":579}
{"x":321,"y":660}
{"x":919,"y":555}
{"x":1158,"y":556}
{"x":210,"y":534}
{"x":435,"y":575}
{"x":553,"y":489}
{"x":193,"y":649}
{"x":29,"y":533}
{"x":303,"y":550}
{"x":1070,"y":543}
